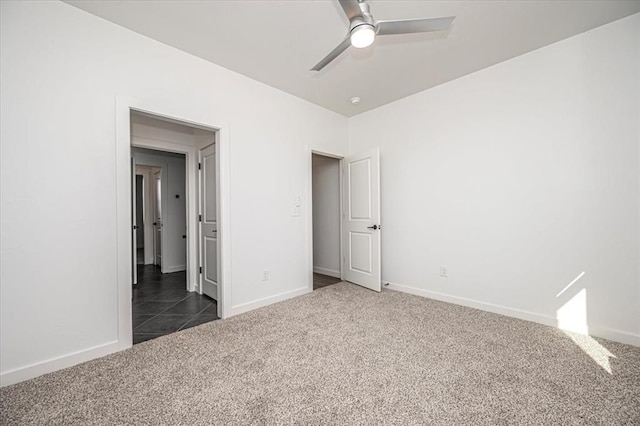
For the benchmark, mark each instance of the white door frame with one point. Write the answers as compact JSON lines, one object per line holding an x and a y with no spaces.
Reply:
{"x":149,"y":246}
{"x":168,"y":110}
{"x":154,"y":209}
{"x":134,"y":220}
{"x":340,"y":158}
{"x":163,"y":166}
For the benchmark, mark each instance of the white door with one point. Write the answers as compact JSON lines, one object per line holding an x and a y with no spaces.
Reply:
{"x":134,"y":223}
{"x":361,"y":239}
{"x":157,"y":217}
{"x":208,"y":223}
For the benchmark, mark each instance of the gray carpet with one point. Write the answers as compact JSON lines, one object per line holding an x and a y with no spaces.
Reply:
{"x":345,"y":355}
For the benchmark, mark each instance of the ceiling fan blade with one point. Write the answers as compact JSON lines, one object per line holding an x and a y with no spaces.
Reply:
{"x":409,"y":26}
{"x":351,"y":8}
{"x":334,"y":54}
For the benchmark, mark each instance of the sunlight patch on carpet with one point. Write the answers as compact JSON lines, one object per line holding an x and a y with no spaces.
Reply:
{"x":601,"y":355}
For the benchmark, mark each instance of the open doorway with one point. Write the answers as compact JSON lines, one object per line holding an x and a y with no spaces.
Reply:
{"x":140,"y":220}
{"x":164,"y":299}
{"x":148,"y":216}
{"x":203,"y":129}
{"x":325,"y":171}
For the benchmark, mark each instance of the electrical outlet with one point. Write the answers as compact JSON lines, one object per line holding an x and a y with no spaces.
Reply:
{"x":444,"y":271}
{"x":265,"y":275}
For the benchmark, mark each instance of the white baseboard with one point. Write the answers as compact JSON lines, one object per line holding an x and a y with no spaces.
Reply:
{"x":604,"y":332}
{"x":325,"y":271}
{"x":246,"y":307}
{"x":171,"y":269}
{"x":38,"y":369}
{"x":615,"y":335}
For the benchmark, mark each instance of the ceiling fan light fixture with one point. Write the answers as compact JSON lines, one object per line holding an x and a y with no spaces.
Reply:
{"x":363,"y":36}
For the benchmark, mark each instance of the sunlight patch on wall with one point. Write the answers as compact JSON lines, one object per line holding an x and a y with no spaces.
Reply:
{"x":575,"y":280}
{"x":572,"y":316}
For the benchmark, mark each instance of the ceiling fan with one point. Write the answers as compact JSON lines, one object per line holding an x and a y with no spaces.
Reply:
{"x":363,"y":28}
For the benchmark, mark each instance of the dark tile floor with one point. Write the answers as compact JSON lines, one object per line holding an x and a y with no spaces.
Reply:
{"x":162,"y":305}
{"x":320,"y":280}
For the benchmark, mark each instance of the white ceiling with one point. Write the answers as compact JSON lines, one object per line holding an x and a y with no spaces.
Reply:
{"x":277,"y":42}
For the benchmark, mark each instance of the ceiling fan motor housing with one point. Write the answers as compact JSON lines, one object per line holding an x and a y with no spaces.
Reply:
{"x":364,"y":19}
{"x":365,"y":23}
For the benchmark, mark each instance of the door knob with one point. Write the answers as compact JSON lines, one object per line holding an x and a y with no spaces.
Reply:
{"x":374,"y":227}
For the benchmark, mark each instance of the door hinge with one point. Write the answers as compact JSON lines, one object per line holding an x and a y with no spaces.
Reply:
{"x":200,"y":218}
{"x":201,"y":269}
{"x":199,"y":166}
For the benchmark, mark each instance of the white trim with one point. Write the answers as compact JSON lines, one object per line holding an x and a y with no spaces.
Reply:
{"x":615,"y":335}
{"x":594,"y":330}
{"x":38,"y":369}
{"x":325,"y":271}
{"x":342,"y":214}
{"x":471,"y":303}
{"x":123,"y":218}
{"x":178,"y":268}
{"x":327,"y":154}
{"x":309,"y":217}
{"x":223,"y":152}
{"x":246,"y":307}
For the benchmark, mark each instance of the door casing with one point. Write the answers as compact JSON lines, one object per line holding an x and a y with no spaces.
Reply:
{"x":134,"y":221}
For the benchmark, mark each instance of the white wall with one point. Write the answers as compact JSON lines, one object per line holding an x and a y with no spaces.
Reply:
{"x":326,"y":215}
{"x":518,"y":178}
{"x":174,"y":220}
{"x":61,"y":70}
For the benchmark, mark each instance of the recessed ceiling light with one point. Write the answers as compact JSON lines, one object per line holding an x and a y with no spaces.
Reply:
{"x":355,"y":100}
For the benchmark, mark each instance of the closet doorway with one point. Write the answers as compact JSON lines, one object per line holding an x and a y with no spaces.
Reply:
{"x":326,"y":208}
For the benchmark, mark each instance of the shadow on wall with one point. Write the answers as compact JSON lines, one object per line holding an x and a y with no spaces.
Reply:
{"x":572,"y":317}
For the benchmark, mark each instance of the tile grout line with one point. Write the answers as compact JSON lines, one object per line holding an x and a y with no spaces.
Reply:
{"x":155,"y":315}
{"x":196,"y":315}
